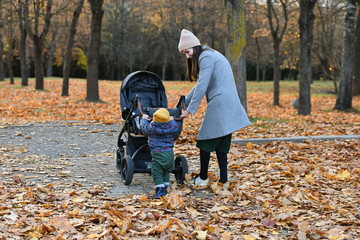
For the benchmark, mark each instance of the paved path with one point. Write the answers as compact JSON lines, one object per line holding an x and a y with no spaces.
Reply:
{"x":80,"y":155}
{"x":68,"y":154}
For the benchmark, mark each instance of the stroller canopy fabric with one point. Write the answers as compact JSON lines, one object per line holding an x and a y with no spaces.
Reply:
{"x":149,"y":88}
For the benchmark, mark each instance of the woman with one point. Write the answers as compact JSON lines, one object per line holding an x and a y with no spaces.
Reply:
{"x":224,"y":112}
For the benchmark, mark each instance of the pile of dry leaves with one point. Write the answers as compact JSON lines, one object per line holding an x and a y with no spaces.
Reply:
{"x":278,"y":190}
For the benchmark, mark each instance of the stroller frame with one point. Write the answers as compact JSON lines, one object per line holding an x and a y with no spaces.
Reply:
{"x":133,"y":154}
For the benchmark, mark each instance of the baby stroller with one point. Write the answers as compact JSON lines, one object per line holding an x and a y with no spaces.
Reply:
{"x":143,"y":92}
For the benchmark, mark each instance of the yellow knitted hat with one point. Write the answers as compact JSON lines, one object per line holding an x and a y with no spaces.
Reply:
{"x":161,"y":116}
{"x":187,"y":40}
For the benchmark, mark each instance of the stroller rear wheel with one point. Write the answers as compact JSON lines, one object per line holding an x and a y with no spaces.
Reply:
{"x":181,"y":168}
{"x":127,"y":169}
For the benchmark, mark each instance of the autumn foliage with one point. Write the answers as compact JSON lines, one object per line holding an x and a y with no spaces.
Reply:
{"x":278,"y":190}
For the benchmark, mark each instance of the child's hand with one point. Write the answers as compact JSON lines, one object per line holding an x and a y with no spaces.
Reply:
{"x":171,"y":118}
{"x":145,"y":116}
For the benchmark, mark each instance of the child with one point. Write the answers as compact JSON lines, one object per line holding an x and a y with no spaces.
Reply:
{"x":160,"y":133}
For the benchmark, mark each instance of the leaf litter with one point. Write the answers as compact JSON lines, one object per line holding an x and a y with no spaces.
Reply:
{"x":278,"y":190}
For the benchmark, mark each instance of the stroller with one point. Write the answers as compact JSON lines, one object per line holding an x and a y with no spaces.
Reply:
{"x":142,"y":92}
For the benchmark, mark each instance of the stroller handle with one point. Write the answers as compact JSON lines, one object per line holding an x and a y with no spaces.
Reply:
{"x":183,"y":107}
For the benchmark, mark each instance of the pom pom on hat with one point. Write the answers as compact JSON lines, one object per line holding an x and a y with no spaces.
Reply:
{"x":161,"y":116}
{"x":187,"y":40}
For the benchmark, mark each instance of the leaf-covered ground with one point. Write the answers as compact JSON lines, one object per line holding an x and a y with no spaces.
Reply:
{"x":278,"y":190}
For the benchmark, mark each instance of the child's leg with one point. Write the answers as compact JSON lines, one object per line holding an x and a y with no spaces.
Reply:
{"x":168,"y":166}
{"x":204,"y":164}
{"x":157,"y":170}
{"x":222,"y":161}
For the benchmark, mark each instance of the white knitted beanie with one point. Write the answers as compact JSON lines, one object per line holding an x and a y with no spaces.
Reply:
{"x":187,"y":40}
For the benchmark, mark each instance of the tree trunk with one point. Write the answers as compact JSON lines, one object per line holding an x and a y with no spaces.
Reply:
{"x":2,"y":70}
{"x":356,"y":82}
{"x":306,"y":23}
{"x":258,"y":59}
{"x":277,"y":37}
{"x":344,"y":97}
{"x":38,"y":39}
{"x":70,"y":44}
{"x":38,"y":63}
{"x":50,"y":60}
{"x":277,"y":73}
{"x":163,"y":72}
{"x":263,"y":72}
{"x":235,"y":45}
{"x":23,"y":65}
{"x":92,"y":93}
{"x":23,"y":35}
{"x":10,"y":61}
{"x":120,"y":53}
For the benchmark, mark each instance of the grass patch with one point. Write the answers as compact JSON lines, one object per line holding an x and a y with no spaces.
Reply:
{"x":353,"y":110}
{"x":178,"y":85}
{"x":261,"y":122}
{"x":255,"y":120}
{"x":42,"y":90}
{"x":318,"y":87}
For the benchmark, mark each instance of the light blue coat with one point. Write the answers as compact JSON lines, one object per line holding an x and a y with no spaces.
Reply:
{"x":224,"y":112}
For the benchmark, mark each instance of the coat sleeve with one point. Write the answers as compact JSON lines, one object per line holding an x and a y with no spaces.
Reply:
{"x":145,"y":124}
{"x":206,"y":65}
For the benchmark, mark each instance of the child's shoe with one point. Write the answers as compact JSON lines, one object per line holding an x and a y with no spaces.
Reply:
{"x":159,"y":192}
{"x":199,"y":182}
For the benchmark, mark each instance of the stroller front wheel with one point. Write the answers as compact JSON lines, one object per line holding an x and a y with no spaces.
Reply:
{"x":127,"y":169}
{"x":119,"y":156}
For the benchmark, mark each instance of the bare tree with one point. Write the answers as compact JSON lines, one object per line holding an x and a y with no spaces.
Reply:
{"x":23,"y":35}
{"x":277,"y":33}
{"x":306,"y":23}
{"x":9,"y":32}
{"x":235,"y":44}
{"x":327,"y":47}
{"x":97,"y":12}
{"x":344,"y":97}
{"x":51,"y":46}
{"x":356,"y":82}
{"x":37,"y":38}
{"x":70,"y":44}
{"x":2,"y":70}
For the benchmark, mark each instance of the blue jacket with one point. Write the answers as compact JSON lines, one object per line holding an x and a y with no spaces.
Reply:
{"x":160,"y":135}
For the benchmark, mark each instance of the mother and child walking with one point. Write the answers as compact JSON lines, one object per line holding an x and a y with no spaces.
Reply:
{"x":224,"y":112}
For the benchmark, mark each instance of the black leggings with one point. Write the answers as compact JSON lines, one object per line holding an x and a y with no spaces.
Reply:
{"x":204,"y":165}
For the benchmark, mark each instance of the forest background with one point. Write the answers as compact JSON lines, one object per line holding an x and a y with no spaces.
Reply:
{"x":144,"y":35}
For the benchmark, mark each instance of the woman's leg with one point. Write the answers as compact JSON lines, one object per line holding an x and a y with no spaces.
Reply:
{"x":222,"y":161}
{"x":204,"y":164}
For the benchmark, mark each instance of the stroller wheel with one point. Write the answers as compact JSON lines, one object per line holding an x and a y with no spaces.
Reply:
{"x":127,"y":169}
{"x":119,"y":156}
{"x":181,"y":168}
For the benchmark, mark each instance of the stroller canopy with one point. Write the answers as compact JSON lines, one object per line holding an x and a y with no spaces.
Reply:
{"x":149,"y":88}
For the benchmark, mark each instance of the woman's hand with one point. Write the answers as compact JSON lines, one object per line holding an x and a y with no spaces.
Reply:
{"x":184,"y":113}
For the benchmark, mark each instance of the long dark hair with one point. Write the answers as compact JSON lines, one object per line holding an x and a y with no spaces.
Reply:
{"x":193,"y":64}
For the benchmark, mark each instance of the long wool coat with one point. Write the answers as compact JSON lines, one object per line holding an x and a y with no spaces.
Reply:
{"x":224,"y":112}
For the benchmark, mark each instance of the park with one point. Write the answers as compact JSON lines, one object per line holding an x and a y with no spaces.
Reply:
{"x":293,"y":173}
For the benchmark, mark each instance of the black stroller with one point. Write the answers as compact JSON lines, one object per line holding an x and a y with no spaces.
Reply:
{"x":143,"y":92}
